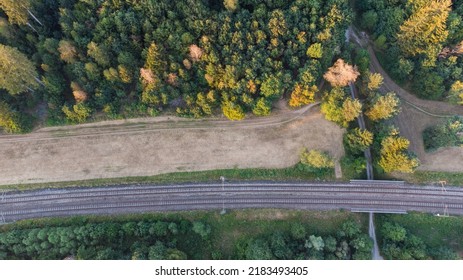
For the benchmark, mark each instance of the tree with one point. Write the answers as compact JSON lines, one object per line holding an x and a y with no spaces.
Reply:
{"x":232,"y":111}
{"x":258,"y":249}
{"x":384,"y":107}
{"x":358,"y":139}
{"x":16,"y":10}
{"x":202,"y":229}
{"x":298,"y":231}
{"x":394,"y":156}
{"x":262,"y":107}
{"x":272,"y":86}
{"x":17,"y":73}
{"x":341,"y":74}
{"x":425,"y":30}
{"x":302,"y":95}
{"x":316,"y":159}
{"x":456,"y":93}
{"x":9,"y":120}
{"x":375,"y":81}
{"x":78,"y":113}
{"x":315,"y":51}
{"x":340,"y":109}
{"x":195,"y":53}
{"x":67,"y":51}
{"x":231,"y":5}
{"x":369,"y":20}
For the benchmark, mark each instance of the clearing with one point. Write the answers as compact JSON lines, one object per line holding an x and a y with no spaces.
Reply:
{"x":144,"y":147}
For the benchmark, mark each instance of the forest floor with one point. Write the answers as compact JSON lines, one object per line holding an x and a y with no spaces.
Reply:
{"x":150,"y":146}
{"x":415,"y":116}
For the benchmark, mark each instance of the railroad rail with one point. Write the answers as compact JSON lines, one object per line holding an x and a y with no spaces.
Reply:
{"x":395,"y":197}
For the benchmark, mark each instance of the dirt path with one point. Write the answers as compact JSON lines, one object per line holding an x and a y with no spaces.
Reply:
{"x":416,"y":115}
{"x":144,"y":147}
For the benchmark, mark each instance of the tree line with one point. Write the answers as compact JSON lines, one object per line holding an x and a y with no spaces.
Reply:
{"x":116,"y":59}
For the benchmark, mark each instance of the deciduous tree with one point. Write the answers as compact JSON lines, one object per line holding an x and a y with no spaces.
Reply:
{"x":341,"y":74}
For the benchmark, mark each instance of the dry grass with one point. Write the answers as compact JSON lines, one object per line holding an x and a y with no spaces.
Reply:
{"x":147,"y":147}
{"x":412,"y":123}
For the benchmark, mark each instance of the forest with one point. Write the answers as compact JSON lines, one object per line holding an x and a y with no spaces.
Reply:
{"x":420,"y":43}
{"x":177,"y":240}
{"x":70,"y":61}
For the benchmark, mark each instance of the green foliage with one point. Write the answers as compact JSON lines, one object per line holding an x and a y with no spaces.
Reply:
{"x":429,"y":85}
{"x":202,"y":229}
{"x":369,"y":20}
{"x":418,"y":43}
{"x":77,"y":113}
{"x":104,"y":240}
{"x":10,"y":120}
{"x":262,"y":107}
{"x":456,"y":93}
{"x":339,"y":108}
{"x":444,"y":135}
{"x":163,"y":53}
{"x":358,"y":139}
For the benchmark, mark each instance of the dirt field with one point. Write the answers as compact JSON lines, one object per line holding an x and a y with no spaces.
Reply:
{"x":166,"y":144}
{"x":411,"y":124}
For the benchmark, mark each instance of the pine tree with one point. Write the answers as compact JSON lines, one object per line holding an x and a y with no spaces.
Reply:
{"x":17,"y":73}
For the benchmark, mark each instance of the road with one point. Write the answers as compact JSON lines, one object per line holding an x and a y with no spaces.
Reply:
{"x":372,"y":196}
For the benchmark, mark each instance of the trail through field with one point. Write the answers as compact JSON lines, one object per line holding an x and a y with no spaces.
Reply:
{"x":144,"y":147}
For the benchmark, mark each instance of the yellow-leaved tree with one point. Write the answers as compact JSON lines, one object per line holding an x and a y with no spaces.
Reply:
{"x":384,"y":107}
{"x":394,"y":156}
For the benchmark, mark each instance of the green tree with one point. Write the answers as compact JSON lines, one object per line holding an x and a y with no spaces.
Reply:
{"x":17,"y":73}
{"x":258,"y":249}
{"x":78,"y":113}
{"x":358,"y":139}
{"x":262,"y":107}
{"x":9,"y":120}
{"x":202,"y":229}
{"x":340,"y":109}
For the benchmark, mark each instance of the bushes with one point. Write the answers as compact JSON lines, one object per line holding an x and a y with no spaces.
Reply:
{"x":349,"y":243}
{"x":444,"y":135}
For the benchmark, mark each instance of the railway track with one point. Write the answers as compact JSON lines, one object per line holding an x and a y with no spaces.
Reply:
{"x":146,"y":198}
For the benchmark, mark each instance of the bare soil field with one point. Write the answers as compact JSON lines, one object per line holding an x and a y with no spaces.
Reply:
{"x":166,"y":144}
{"x":412,"y":123}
